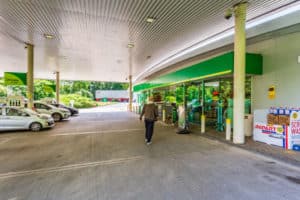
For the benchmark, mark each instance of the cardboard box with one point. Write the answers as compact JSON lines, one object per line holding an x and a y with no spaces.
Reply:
{"x":272,"y":119}
{"x":283,"y":120}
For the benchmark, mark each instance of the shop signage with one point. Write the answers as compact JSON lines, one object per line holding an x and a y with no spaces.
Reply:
{"x":270,"y":134}
{"x":293,"y":139}
{"x":295,"y":122}
{"x":270,"y":129}
{"x":15,"y":78}
{"x":49,"y":88}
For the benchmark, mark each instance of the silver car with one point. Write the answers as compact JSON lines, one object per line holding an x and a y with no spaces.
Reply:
{"x":58,"y":114}
{"x":15,"y":118}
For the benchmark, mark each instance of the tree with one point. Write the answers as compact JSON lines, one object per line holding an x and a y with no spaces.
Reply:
{"x":39,"y":89}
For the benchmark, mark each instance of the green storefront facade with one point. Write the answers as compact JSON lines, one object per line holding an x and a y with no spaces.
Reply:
{"x":203,"y":84}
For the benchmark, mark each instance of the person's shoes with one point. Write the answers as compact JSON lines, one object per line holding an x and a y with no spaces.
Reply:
{"x":148,"y":143}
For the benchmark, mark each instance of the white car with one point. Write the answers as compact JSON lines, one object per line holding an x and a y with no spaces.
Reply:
{"x":58,"y":114}
{"x":15,"y":118}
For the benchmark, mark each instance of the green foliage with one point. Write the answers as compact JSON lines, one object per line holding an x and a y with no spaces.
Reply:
{"x":79,"y":101}
{"x":82,"y":92}
{"x":80,"y":87}
{"x":179,"y":94}
{"x":85,"y":93}
{"x":170,"y":99}
{"x":39,"y":91}
{"x":193,"y":92}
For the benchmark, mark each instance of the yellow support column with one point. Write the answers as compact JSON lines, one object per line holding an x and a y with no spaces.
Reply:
{"x":130,"y":93}
{"x":30,"y":75}
{"x":57,"y":86}
{"x":239,"y":73}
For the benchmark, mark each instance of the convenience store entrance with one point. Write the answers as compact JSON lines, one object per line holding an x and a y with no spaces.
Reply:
{"x":212,"y":98}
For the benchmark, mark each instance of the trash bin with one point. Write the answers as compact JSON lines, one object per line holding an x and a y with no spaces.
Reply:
{"x":248,"y":121}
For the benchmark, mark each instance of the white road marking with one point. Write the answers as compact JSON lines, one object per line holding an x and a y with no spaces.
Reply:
{"x":95,"y":132}
{"x":69,"y":167}
{"x":102,"y":121}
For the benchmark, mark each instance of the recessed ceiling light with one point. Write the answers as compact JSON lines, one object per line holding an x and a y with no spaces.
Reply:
{"x":49,"y":36}
{"x":130,"y":45}
{"x":150,"y":19}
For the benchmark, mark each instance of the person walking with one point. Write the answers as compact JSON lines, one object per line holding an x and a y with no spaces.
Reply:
{"x":150,"y":114}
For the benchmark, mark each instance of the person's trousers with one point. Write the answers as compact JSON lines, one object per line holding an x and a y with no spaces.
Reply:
{"x":149,"y":125}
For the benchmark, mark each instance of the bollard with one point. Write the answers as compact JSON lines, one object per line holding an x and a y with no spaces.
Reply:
{"x":228,"y":129}
{"x":202,"y":123}
{"x":164,"y":115}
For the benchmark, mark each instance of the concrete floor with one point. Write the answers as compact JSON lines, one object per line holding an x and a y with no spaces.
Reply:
{"x":103,"y":156}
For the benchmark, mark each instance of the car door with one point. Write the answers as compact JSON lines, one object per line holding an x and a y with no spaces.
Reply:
{"x":15,"y":119}
{"x":2,"y":119}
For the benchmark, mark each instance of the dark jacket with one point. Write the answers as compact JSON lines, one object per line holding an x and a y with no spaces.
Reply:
{"x":150,"y":112}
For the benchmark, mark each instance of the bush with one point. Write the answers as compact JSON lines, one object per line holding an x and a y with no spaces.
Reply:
{"x":79,"y":101}
{"x":85,"y":93}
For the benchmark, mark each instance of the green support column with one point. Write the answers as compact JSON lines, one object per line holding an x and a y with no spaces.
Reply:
{"x":57,"y":86}
{"x":130,"y":93}
{"x":239,"y":73}
{"x":30,"y":76}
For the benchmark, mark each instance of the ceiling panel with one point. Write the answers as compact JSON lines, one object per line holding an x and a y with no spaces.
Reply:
{"x":91,"y":36}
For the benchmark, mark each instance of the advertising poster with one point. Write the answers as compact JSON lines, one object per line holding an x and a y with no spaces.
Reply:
{"x":293,"y":139}
{"x":49,"y":88}
{"x":270,"y":134}
{"x":15,"y":78}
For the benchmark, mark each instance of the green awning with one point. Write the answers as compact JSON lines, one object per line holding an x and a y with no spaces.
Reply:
{"x":214,"y":67}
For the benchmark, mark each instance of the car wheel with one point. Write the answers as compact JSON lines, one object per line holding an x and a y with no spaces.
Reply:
{"x":57,"y":117}
{"x":35,"y":126}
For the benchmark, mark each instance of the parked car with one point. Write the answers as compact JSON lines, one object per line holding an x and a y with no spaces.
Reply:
{"x":73,"y":111}
{"x":58,"y":114}
{"x":16,"y":118}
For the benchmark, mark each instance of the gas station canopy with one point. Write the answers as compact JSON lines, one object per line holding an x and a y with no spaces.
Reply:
{"x":108,"y":40}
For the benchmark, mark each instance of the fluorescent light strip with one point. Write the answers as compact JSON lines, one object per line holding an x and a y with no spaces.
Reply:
{"x":262,"y":19}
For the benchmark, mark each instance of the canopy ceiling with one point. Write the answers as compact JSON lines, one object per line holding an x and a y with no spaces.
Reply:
{"x":91,"y":36}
